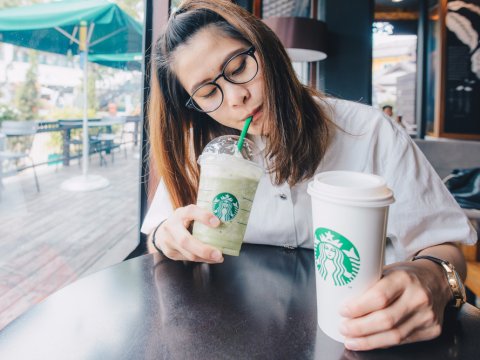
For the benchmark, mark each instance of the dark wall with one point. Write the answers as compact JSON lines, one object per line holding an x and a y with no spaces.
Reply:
{"x":348,"y":68}
{"x":247,"y":4}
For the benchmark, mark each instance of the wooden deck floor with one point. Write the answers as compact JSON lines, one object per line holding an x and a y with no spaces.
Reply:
{"x":52,"y":238}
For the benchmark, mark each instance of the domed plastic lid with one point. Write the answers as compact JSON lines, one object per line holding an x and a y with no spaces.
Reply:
{"x":227,"y":145}
{"x":351,"y":188}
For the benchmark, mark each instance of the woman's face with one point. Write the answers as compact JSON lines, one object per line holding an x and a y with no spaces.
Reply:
{"x":201,"y":60}
{"x":330,"y":251}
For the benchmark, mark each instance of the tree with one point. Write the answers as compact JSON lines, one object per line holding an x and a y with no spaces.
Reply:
{"x":134,"y":8}
{"x":28,"y":96}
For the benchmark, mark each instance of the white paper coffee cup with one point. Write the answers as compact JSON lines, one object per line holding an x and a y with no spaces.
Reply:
{"x":349,"y":216}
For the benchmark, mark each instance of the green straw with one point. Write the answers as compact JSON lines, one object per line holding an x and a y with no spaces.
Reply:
{"x":244,"y":133}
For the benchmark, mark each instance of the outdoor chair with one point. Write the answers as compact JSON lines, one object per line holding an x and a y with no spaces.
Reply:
{"x":130,"y":131}
{"x":109,"y":141}
{"x":95,"y":145}
{"x":17,"y":142}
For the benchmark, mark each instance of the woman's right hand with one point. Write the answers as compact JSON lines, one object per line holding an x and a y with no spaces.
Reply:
{"x":177,"y":243}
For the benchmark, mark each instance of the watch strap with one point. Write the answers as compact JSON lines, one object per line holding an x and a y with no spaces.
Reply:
{"x":432,"y":258}
{"x":454,"y":281}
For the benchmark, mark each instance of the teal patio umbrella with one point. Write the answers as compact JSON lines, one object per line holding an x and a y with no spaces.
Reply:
{"x":127,"y":61}
{"x":78,"y":27}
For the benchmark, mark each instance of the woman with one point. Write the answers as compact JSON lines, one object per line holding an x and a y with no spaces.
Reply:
{"x":334,"y":259}
{"x":214,"y":66}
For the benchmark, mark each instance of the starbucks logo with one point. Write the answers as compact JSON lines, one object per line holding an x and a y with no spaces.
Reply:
{"x":225,"y":206}
{"x":336,"y":258}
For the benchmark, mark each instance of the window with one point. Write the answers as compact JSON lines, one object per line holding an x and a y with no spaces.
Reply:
{"x":394,"y":74}
{"x":394,"y":60}
{"x":52,"y":235}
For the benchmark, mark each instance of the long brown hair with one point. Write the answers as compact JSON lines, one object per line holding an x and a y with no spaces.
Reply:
{"x":298,"y":122}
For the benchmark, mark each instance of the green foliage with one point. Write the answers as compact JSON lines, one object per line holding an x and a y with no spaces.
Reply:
{"x":134,"y":8}
{"x":69,"y":113}
{"x":29,"y":94}
{"x":55,"y":141}
{"x":8,"y":113}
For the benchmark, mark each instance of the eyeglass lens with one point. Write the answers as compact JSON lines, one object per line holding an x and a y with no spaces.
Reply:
{"x":239,"y":70}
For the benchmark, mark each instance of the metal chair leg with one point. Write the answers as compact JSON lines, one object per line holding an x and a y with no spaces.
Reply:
{"x":35,"y":175}
{"x":103,"y":160}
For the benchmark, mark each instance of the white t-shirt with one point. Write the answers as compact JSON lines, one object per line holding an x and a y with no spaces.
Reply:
{"x":424,"y":213}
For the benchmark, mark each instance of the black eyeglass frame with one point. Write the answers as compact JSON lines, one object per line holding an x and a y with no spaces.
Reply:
{"x":191,"y":103}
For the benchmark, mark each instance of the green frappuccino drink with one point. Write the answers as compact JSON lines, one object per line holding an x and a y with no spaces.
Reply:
{"x":228,"y":183}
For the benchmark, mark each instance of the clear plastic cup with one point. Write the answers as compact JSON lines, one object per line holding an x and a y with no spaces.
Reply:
{"x":228,"y":183}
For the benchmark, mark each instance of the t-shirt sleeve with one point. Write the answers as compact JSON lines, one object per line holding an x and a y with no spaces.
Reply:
{"x":160,"y":209}
{"x":424,"y":213}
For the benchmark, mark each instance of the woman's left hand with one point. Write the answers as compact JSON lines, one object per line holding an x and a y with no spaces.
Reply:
{"x":406,"y":305}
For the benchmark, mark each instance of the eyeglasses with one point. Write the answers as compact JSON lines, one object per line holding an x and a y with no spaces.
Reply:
{"x":240,"y":69}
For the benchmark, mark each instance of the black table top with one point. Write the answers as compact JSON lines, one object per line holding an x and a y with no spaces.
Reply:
{"x":260,"y":305}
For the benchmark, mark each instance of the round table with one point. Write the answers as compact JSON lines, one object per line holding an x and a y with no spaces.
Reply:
{"x":260,"y":305}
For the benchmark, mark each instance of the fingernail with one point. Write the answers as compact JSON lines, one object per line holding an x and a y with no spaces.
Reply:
{"x":351,"y":344}
{"x":216,"y":255}
{"x":343,"y":329}
{"x":214,"y":221}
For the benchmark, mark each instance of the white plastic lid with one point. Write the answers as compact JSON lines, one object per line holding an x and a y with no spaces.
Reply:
{"x":351,"y":188}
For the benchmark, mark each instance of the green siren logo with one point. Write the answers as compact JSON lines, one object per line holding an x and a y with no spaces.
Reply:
{"x":336,"y":258}
{"x":225,"y":206}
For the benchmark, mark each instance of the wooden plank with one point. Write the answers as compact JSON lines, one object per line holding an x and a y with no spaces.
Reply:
{"x":53,"y":237}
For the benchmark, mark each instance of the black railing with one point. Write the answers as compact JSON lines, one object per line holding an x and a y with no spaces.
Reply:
{"x":66,"y":125}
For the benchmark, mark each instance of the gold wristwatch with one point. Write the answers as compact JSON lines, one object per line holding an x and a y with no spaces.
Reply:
{"x":454,"y":280}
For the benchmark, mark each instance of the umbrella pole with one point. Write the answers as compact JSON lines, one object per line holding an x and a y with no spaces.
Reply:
{"x":86,"y":142}
{"x":85,"y":182}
